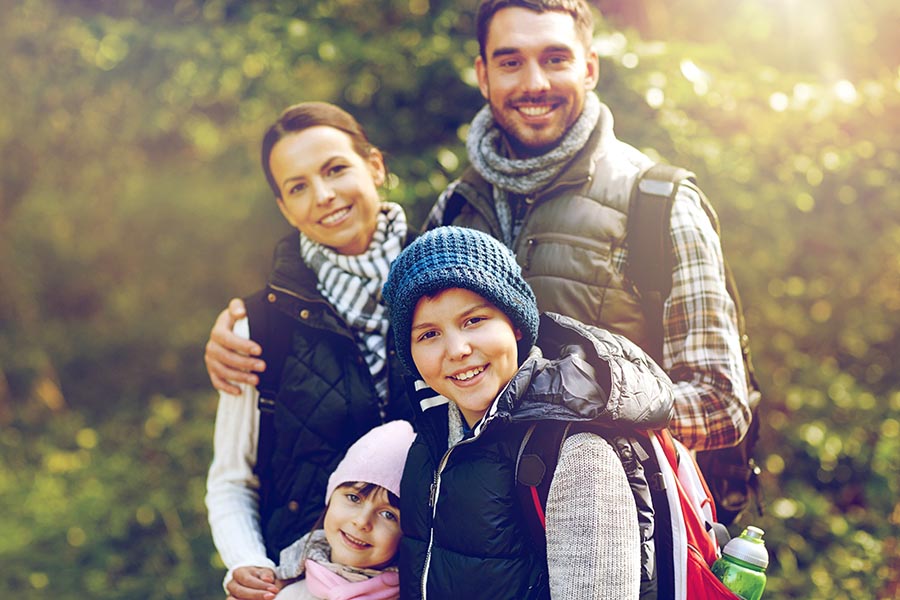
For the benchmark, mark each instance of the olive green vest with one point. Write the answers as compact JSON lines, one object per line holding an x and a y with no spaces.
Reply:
{"x":568,"y":236}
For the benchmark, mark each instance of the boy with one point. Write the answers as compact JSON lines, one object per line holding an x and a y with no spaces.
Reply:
{"x":466,"y":323}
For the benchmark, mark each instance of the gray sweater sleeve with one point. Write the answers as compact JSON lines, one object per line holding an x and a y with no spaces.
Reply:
{"x":593,"y":548}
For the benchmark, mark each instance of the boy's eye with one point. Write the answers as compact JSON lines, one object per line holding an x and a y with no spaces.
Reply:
{"x":475,"y":320}
{"x":336,"y":169}
{"x":426,"y":336}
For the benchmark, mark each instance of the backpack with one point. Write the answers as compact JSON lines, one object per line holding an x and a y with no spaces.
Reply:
{"x":732,"y":472}
{"x":679,"y":536}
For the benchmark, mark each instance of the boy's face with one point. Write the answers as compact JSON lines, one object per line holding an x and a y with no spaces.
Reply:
{"x":535,"y":74}
{"x":465,"y":349}
{"x":363,"y":531}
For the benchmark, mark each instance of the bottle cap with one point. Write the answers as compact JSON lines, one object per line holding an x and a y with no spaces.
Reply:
{"x":749,"y":547}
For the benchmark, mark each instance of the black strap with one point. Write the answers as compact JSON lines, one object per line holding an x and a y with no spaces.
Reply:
{"x":731,"y":472}
{"x":536,"y":464}
{"x":272,"y":330}
{"x":650,"y":255}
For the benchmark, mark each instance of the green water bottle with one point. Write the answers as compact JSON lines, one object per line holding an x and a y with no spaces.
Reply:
{"x":742,"y":567}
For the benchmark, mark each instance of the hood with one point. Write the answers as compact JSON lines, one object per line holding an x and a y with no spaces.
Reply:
{"x":584,"y":373}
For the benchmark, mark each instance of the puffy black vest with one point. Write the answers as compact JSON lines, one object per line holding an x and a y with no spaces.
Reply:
{"x":326,"y":401}
{"x":482,"y":548}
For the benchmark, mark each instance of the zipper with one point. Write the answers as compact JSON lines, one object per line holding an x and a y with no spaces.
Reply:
{"x":435,"y":491}
{"x":533,"y":241}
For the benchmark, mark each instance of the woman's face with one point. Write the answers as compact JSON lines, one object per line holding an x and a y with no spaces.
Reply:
{"x":327,"y":190}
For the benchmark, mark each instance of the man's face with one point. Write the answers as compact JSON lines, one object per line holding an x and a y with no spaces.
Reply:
{"x":535,"y":76}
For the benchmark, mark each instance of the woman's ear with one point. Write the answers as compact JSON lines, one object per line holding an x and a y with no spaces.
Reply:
{"x":284,"y":211}
{"x":376,"y":164}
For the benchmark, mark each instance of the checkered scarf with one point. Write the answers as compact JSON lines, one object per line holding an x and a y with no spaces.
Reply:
{"x":523,"y":175}
{"x":352,"y":284}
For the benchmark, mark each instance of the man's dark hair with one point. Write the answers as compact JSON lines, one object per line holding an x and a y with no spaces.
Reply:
{"x":579,"y":10}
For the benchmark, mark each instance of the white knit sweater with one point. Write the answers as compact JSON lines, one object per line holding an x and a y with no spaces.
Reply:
{"x":232,"y":490}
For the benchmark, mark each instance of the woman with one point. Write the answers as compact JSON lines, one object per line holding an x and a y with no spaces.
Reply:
{"x":338,"y":381}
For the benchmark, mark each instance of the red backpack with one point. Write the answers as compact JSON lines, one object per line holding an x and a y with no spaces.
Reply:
{"x":676,"y":512}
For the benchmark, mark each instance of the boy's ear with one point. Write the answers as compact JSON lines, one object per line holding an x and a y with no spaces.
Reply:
{"x":518,"y":333}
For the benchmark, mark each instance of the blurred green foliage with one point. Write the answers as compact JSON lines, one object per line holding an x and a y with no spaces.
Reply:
{"x":132,"y":207}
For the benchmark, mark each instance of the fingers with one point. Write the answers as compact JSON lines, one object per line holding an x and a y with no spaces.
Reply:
{"x":230,"y":358}
{"x":253,"y":583}
{"x":223,"y":334}
{"x":228,"y":368}
{"x":236,"y":309}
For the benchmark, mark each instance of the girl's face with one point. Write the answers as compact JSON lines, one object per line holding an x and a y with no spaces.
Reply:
{"x":327,"y":190}
{"x":363,"y":531}
{"x":465,"y":349}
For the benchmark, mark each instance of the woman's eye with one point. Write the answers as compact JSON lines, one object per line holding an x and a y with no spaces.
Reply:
{"x":354,"y":498}
{"x":336,"y":169}
{"x":297,"y":188}
{"x":475,"y":320}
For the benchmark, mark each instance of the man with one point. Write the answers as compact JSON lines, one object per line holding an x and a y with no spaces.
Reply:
{"x":549,"y":179}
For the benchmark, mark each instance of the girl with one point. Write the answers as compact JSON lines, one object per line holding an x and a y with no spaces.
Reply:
{"x":352,"y":555}
{"x":338,"y":375}
{"x":466,"y":322}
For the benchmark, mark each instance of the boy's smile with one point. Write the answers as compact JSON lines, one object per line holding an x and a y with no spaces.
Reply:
{"x":465,"y":348}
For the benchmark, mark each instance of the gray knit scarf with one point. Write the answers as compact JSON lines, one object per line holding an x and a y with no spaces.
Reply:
{"x":314,"y":545}
{"x":352,"y":284}
{"x":526,"y":175}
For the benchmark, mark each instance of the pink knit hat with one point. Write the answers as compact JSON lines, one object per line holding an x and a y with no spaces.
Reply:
{"x":377,"y":457}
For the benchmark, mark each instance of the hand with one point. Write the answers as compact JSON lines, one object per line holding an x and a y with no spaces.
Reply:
{"x":228,"y":356}
{"x":253,"y":583}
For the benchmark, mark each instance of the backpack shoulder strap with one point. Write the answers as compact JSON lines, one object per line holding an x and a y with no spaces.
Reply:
{"x":650,"y":255}
{"x":650,"y":263}
{"x":536,"y":464}
{"x":272,"y":330}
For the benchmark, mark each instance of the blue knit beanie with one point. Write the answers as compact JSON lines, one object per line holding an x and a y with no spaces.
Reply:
{"x":457,"y":257}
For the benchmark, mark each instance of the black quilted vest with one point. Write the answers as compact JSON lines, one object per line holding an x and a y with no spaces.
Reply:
{"x":325,"y":402}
